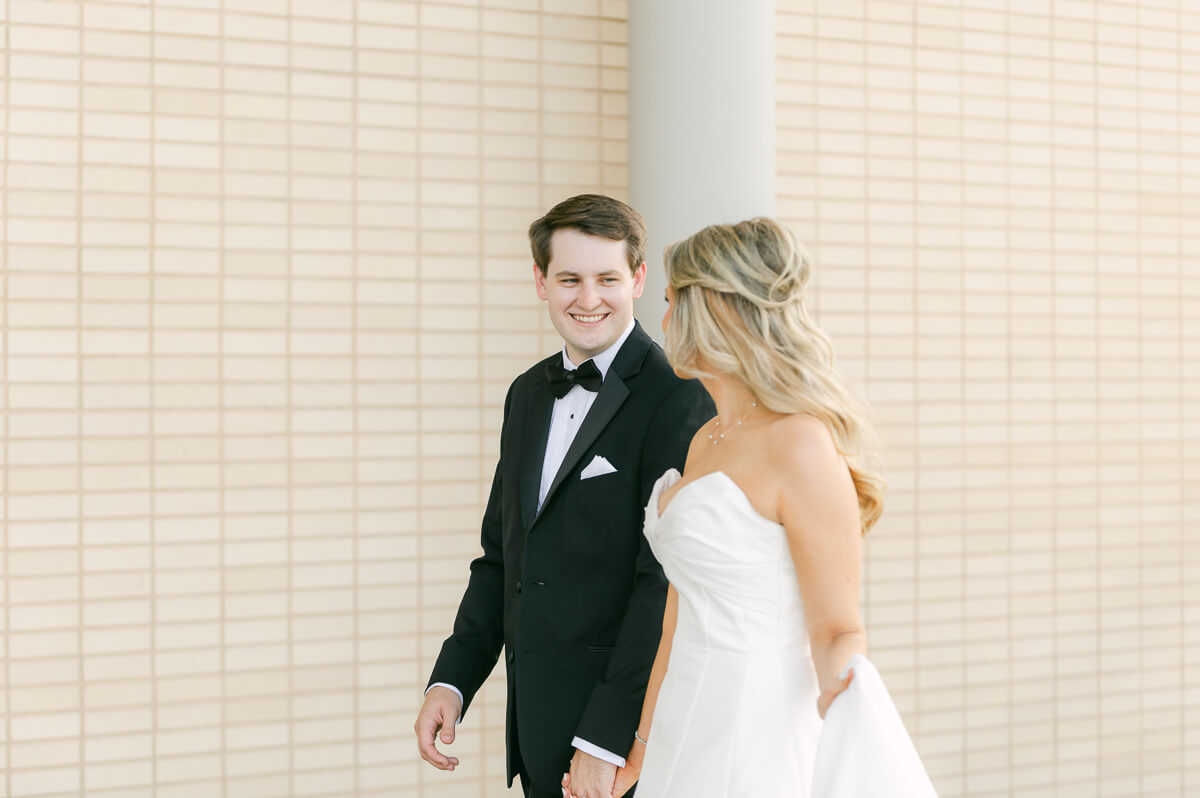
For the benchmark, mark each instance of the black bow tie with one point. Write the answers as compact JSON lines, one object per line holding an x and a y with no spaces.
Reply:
{"x":562,"y":380}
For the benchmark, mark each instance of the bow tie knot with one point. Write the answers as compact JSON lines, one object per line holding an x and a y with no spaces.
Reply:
{"x":562,"y":380}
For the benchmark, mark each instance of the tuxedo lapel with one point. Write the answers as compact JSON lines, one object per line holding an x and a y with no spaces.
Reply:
{"x":537,"y":432}
{"x":612,"y":395}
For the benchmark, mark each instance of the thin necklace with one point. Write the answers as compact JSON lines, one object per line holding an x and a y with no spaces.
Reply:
{"x":716,"y":435}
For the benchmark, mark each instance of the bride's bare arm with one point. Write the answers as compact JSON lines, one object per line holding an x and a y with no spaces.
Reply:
{"x":659,"y":670}
{"x":628,"y":775}
{"x":818,"y":507}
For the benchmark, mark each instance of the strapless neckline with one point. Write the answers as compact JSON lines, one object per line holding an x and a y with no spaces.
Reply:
{"x":663,"y":484}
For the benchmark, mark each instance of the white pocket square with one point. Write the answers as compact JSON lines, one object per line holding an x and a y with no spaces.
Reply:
{"x":598,"y":467}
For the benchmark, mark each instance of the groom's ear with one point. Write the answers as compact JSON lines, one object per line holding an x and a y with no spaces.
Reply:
{"x":539,"y":281}
{"x":639,"y":280}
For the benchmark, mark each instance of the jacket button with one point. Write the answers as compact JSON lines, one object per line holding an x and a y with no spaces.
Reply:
{"x":518,"y":586}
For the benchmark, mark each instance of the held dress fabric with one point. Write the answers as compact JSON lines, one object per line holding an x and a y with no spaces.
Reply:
{"x":865,"y":749}
{"x":737,"y":711}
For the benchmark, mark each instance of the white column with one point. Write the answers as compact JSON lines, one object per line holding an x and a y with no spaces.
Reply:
{"x":701,"y":122}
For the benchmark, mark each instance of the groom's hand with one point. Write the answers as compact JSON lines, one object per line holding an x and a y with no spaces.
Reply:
{"x":439,"y":713}
{"x":591,"y":777}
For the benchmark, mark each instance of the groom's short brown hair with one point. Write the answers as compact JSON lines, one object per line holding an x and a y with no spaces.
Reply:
{"x":594,"y":214}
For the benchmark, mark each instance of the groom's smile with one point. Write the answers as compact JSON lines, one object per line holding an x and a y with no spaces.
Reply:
{"x":589,"y":289}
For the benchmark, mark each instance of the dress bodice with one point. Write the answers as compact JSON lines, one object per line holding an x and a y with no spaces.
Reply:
{"x":731,"y":567}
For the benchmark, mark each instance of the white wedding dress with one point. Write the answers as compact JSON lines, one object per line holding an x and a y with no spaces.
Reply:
{"x":737,"y":711}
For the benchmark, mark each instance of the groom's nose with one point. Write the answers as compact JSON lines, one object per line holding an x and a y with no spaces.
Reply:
{"x":589,"y":298}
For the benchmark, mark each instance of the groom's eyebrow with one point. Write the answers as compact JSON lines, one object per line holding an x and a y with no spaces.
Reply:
{"x":569,"y":273}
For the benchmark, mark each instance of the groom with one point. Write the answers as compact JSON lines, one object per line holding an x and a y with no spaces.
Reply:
{"x":566,"y":583}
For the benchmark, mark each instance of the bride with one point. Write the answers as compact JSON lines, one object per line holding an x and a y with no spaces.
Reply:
{"x":760,"y":537}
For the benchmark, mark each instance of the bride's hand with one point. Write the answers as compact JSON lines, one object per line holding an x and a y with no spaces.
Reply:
{"x":831,"y":693}
{"x":627,"y":776}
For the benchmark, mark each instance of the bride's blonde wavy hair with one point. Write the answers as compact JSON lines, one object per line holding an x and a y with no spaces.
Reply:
{"x":739,"y":310}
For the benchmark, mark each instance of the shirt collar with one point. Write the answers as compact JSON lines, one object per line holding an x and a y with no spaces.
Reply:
{"x":605,"y":358}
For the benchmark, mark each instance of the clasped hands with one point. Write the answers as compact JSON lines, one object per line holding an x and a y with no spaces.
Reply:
{"x":594,"y":778}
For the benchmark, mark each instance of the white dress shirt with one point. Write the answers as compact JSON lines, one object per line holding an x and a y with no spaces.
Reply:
{"x":569,"y":413}
{"x":565,"y":420}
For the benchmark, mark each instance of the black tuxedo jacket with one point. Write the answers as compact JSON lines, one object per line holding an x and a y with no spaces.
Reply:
{"x":572,"y":592}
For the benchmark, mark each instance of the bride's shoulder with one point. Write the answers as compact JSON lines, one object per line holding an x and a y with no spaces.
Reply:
{"x":813,"y":477}
{"x":801,"y":429}
{"x":800,"y":442}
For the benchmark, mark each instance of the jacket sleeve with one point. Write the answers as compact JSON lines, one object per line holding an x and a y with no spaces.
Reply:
{"x":613,"y":710}
{"x":471,"y":651}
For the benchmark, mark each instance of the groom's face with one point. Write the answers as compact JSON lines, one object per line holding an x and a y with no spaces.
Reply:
{"x":589,"y":290}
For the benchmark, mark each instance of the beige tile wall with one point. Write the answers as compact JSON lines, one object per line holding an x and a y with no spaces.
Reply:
{"x":265,"y":281}
{"x":1003,"y":196}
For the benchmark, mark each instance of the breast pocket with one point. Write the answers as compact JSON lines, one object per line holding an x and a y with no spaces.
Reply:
{"x":599,"y":504}
{"x":614,"y":481}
